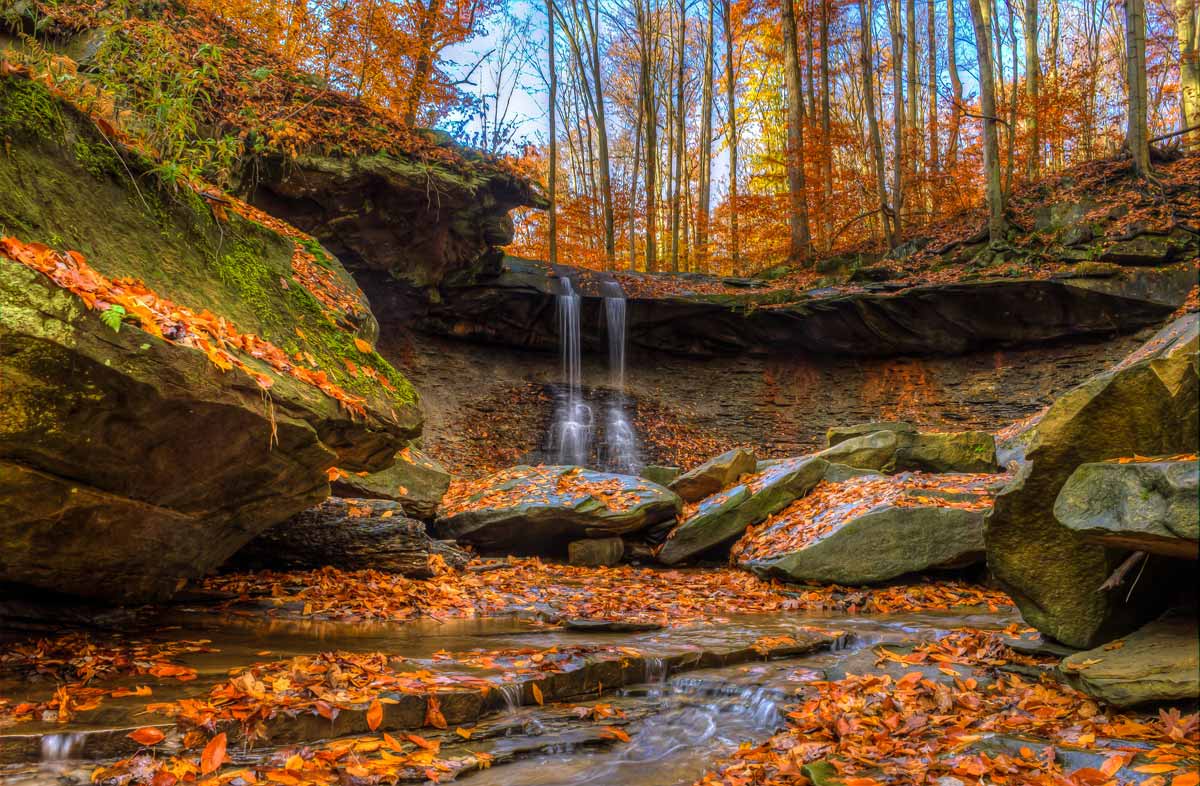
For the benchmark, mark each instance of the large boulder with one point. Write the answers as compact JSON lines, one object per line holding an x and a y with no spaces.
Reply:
{"x":714,"y":475}
{"x":838,"y":434}
{"x":352,"y":534}
{"x":415,"y":481}
{"x":901,"y":448}
{"x":144,"y":448}
{"x":1146,"y":405}
{"x":375,"y":212}
{"x":1158,"y":662}
{"x":871,"y":529}
{"x":722,"y":518}
{"x":539,"y":510}
{"x":1150,"y":506}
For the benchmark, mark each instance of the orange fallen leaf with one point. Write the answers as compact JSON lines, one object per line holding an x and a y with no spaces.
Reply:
{"x":214,"y":754}
{"x":374,"y":715}
{"x":147,"y":735}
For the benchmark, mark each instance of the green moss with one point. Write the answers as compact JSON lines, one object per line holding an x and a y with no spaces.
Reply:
{"x":318,"y":252}
{"x":28,"y":109}
{"x":98,"y":159}
{"x":243,"y":271}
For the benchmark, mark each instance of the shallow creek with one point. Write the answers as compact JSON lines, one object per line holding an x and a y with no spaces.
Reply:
{"x":677,"y":722}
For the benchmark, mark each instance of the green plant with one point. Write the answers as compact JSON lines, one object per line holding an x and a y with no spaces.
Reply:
{"x":112,"y":316}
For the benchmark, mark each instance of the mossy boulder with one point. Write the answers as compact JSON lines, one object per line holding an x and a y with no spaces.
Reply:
{"x":415,"y":480}
{"x":901,"y":448}
{"x":540,"y":510}
{"x":872,"y":529}
{"x":1147,"y":405}
{"x":713,"y":475}
{"x":1145,"y":505}
{"x":131,"y":462}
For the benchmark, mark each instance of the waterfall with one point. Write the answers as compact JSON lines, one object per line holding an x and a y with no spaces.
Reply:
{"x":620,"y":440}
{"x":573,"y":422}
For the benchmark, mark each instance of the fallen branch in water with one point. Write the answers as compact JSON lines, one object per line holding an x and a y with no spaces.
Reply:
{"x":1118,"y":576}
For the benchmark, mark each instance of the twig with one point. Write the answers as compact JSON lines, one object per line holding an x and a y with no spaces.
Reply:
{"x":1118,"y":576}
{"x":1180,"y":132}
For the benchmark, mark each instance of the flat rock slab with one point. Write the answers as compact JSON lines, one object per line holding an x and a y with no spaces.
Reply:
{"x":714,"y":475}
{"x":1159,"y":662}
{"x":538,"y":510}
{"x":1144,"y":505}
{"x":724,"y":516}
{"x":871,"y":529}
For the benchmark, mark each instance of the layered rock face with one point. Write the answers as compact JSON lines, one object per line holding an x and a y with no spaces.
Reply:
{"x":1145,"y":406}
{"x":145,"y":448}
{"x":516,"y":308}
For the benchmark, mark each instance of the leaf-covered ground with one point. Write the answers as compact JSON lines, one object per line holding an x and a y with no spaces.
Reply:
{"x":875,"y":729}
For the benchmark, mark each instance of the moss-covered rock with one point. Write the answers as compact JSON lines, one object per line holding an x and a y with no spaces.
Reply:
{"x":131,"y":462}
{"x":415,"y":480}
{"x":1147,"y":405}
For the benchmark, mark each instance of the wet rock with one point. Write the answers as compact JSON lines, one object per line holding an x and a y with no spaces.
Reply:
{"x":660,"y":475}
{"x":595,"y":552}
{"x":415,"y":480}
{"x":714,"y":475}
{"x":539,"y":510}
{"x":130,"y":463}
{"x":723,"y":517}
{"x":1146,"y":405}
{"x":351,"y":534}
{"x":898,"y":449}
{"x":868,"y":530}
{"x":1145,"y":506}
{"x":609,"y":626}
{"x":1159,"y":662}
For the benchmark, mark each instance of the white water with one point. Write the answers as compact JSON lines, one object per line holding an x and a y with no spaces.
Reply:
{"x":573,"y":423}
{"x":620,"y":439}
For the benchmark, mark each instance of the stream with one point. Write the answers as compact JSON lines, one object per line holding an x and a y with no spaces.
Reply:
{"x":677,"y":723}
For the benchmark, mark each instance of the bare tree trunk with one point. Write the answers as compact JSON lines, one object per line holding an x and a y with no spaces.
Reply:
{"x":731,"y":100}
{"x":606,"y":199}
{"x":553,"y":179}
{"x":680,"y":138}
{"x":798,"y":250}
{"x":898,"y":155}
{"x":826,"y":141}
{"x":1057,"y":154}
{"x":931,"y":52}
{"x":981,"y":17}
{"x":424,"y":64}
{"x":1033,"y":79}
{"x":912,"y":88}
{"x":1012,"y":98}
{"x":809,"y":72}
{"x":705,"y":176}
{"x":1187,"y":19}
{"x":637,"y":162}
{"x":649,"y":33}
{"x":955,"y":83}
{"x":867,"y":54}
{"x":1138,"y":138}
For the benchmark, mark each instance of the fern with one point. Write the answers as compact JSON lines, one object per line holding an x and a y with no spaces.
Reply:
{"x":112,"y":317}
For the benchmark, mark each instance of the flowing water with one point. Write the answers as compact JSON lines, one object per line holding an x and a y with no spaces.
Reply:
{"x":620,"y":439}
{"x":573,"y":423}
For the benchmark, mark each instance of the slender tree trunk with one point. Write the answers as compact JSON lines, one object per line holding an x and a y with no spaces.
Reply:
{"x":1187,"y":16}
{"x":649,"y":35}
{"x":810,"y":71}
{"x":798,"y":250}
{"x":731,"y":101}
{"x":424,"y":64}
{"x":680,"y":138}
{"x":637,"y":162}
{"x":899,"y":158}
{"x":706,"y":140}
{"x":1033,"y":80}
{"x":1138,"y":137}
{"x":1012,"y":98}
{"x":553,"y":179}
{"x":910,"y":59}
{"x":867,"y":56}
{"x":1057,"y":154}
{"x":826,"y":141}
{"x":955,"y":83}
{"x":981,"y":17}
{"x":605,"y":170}
{"x":931,"y":52}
